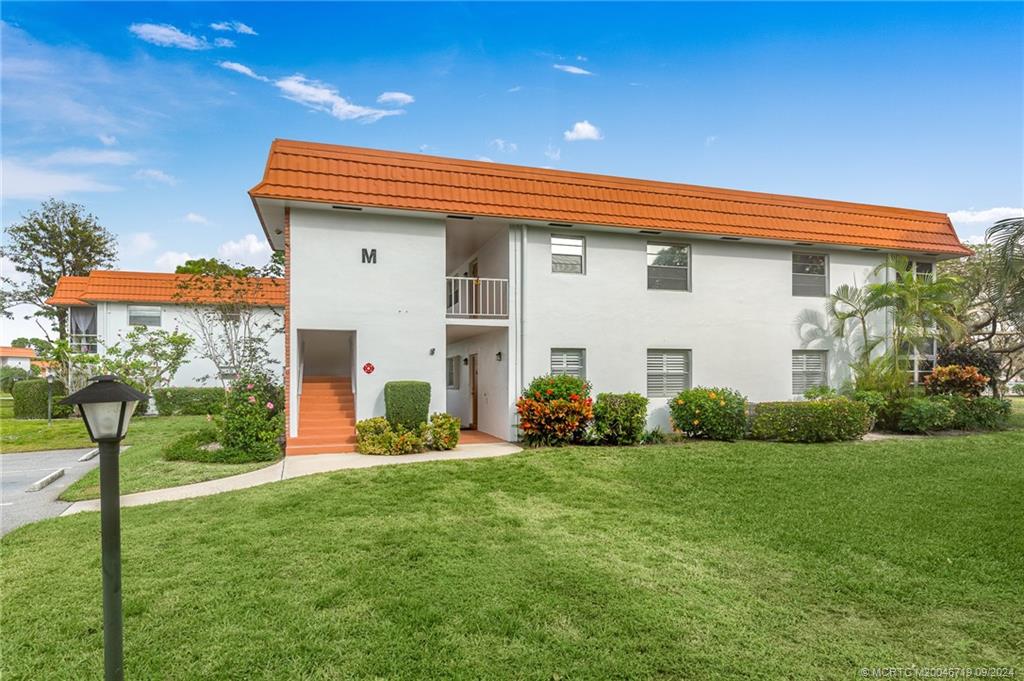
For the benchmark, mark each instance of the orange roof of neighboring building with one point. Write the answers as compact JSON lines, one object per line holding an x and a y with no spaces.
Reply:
{"x":385,"y":179}
{"x":159,"y":287}
{"x":8,"y":351}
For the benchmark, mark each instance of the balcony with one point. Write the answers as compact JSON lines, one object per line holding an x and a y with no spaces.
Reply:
{"x":476,"y":298}
{"x":84,"y":342}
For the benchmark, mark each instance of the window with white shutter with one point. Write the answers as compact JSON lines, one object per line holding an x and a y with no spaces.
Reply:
{"x":809,"y":370}
{"x":571,"y":361}
{"x":568,"y":254}
{"x":810,"y":274}
{"x":668,"y":372}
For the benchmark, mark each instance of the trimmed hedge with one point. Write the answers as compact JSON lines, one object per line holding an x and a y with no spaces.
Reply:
{"x":978,"y":413}
{"x":925,"y":415}
{"x":189,"y":401}
{"x":710,"y":413}
{"x":829,"y":420}
{"x":377,"y":436}
{"x":407,"y":403}
{"x":620,"y":419}
{"x":30,"y":399}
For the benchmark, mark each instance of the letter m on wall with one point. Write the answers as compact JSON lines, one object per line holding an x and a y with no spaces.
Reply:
{"x":370,"y":256}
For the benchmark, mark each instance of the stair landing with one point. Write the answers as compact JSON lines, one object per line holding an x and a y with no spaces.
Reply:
{"x":327,"y":417}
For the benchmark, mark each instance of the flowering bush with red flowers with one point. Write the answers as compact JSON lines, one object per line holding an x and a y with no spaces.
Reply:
{"x":955,"y":379}
{"x":253,"y":420}
{"x":711,"y":413}
{"x":555,"y":410}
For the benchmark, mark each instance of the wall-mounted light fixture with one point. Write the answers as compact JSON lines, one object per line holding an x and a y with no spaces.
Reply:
{"x":432,"y":351}
{"x":465,"y":360}
{"x":497,"y":356}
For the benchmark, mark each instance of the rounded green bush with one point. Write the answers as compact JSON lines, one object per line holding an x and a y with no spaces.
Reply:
{"x":444,"y":431}
{"x":826,"y":420}
{"x":189,"y":401}
{"x":407,"y":403}
{"x":30,"y":399}
{"x":377,"y":436}
{"x":620,"y":419}
{"x":253,"y":421}
{"x":710,"y":413}
{"x":924,"y":415}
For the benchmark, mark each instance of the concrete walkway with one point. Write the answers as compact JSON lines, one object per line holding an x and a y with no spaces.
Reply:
{"x":20,"y":506}
{"x":295,"y":467}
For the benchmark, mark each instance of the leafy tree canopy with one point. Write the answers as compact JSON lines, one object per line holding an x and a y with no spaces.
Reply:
{"x":212,"y":267}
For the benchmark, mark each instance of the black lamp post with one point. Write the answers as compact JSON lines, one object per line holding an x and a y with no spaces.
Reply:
{"x":107,"y":406}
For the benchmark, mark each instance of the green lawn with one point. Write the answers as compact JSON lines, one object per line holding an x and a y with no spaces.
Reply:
{"x":700,"y":560}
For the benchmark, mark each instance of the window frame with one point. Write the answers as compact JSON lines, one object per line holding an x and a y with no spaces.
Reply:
{"x":921,"y":363}
{"x":583,"y":362}
{"x":792,"y":366}
{"x":689,"y":264}
{"x":792,"y":274}
{"x":159,"y":315}
{"x":583,"y":252}
{"x":686,"y":352}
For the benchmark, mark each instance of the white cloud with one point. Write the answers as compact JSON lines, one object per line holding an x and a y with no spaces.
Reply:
{"x":196,"y":218}
{"x":515,"y":88}
{"x":235,"y":26}
{"x":86,"y":157}
{"x":583,"y":130}
{"x":574,"y":70}
{"x":710,"y":139}
{"x":504,"y":145}
{"x":395,"y":98}
{"x":21,"y":181}
{"x":249,"y":250}
{"x":553,"y":153}
{"x":485,"y":159}
{"x":168,"y":260}
{"x":137,"y":244}
{"x":107,"y":140}
{"x":243,"y":69}
{"x":580,"y":57}
{"x":166,"y":35}
{"x":154,"y":175}
{"x":323,"y":97}
{"x":983,"y":218}
{"x":223,"y":42}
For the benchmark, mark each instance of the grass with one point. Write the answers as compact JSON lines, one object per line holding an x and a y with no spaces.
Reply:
{"x":701,"y":560}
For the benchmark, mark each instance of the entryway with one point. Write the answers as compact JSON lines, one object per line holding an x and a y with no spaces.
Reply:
{"x":326,"y":405}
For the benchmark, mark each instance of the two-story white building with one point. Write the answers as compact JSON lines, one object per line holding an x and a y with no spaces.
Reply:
{"x":477,"y":277}
{"x":106,"y":305}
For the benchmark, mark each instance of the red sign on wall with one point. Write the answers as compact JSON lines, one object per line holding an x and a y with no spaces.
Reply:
{"x":368,"y":368}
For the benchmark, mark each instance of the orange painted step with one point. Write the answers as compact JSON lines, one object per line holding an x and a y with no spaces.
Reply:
{"x":321,"y":440}
{"x":301,"y":450}
{"x":326,"y":379}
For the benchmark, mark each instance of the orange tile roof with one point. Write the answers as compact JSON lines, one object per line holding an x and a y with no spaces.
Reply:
{"x":355,"y":176}
{"x":159,"y":287}
{"x":8,"y":351}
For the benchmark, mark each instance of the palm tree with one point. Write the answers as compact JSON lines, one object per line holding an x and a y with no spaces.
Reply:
{"x":1007,"y":236}
{"x":849,"y":308}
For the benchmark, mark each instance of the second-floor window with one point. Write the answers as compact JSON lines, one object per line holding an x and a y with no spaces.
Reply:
{"x":810,"y":274}
{"x":570,"y":361}
{"x":568,"y":254}
{"x":668,"y":266}
{"x":143,"y":315}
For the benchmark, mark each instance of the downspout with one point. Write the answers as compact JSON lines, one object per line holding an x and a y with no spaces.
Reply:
{"x":522,"y":308}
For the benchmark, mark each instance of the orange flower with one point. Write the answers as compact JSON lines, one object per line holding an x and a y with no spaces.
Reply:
{"x":721,"y":402}
{"x":696,"y":421}
{"x":712,"y":395}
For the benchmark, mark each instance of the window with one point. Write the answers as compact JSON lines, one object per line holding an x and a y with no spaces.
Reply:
{"x":668,"y":266}
{"x":920,"y":360}
{"x":809,"y":370}
{"x":142,"y":315}
{"x":452,"y":371}
{"x":570,"y":361}
{"x":924,"y":270}
{"x":810,"y":274}
{"x":668,"y":372}
{"x":567,"y":254}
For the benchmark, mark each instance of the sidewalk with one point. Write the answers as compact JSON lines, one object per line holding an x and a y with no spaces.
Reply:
{"x":295,"y":467}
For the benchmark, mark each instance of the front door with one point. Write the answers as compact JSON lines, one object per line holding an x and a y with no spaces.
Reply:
{"x":472,"y":391}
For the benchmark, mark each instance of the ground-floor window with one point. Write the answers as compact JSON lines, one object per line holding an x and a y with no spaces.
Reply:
{"x":668,"y":372}
{"x":810,"y":369}
{"x":570,"y":361}
{"x":920,"y":359}
{"x":452,"y":372}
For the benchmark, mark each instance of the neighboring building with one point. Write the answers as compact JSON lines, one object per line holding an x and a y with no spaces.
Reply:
{"x":21,"y":358}
{"x":104,"y":307}
{"x":477,"y":277}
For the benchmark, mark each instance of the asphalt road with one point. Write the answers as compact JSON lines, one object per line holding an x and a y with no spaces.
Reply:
{"x":18,"y":471}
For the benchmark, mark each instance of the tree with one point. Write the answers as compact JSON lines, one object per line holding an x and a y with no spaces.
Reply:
{"x":147,"y":358}
{"x":40,"y":345}
{"x":212,"y":267}
{"x":57,"y":240}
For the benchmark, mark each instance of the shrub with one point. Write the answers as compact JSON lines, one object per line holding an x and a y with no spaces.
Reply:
{"x":620,"y":419}
{"x":30,"y":399}
{"x":377,"y":436}
{"x":407,"y":403}
{"x":873,"y":400}
{"x":825,"y":420}
{"x":712,"y":413}
{"x":555,"y":410}
{"x":954,"y":379}
{"x":924,"y":415}
{"x":655,"y":436}
{"x":819,"y":392}
{"x":443,"y":432}
{"x":253,"y":423}
{"x":10,"y":375}
{"x":189,"y":401}
{"x":1018,"y":389}
{"x":977,"y":413}
{"x":970,"y":356}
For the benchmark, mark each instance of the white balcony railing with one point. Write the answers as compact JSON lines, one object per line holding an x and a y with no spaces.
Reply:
{"x":476,"y":298}
{"x":83,"y":342}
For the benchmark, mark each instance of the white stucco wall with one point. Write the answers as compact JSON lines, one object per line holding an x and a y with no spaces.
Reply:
{"x":493,"y":405}
{"x":23,"y":363}
{"x":395,"y":307}
{"x":112,"y":325}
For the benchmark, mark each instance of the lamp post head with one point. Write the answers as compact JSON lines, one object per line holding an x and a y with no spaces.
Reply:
{"x":49,"y":378}
{"x":106,"y":405}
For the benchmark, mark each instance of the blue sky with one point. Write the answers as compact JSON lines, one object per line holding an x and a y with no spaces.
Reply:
{"x":158,"y":117}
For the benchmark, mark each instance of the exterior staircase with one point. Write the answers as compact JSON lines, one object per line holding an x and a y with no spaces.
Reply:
{"x":327,"y":417}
